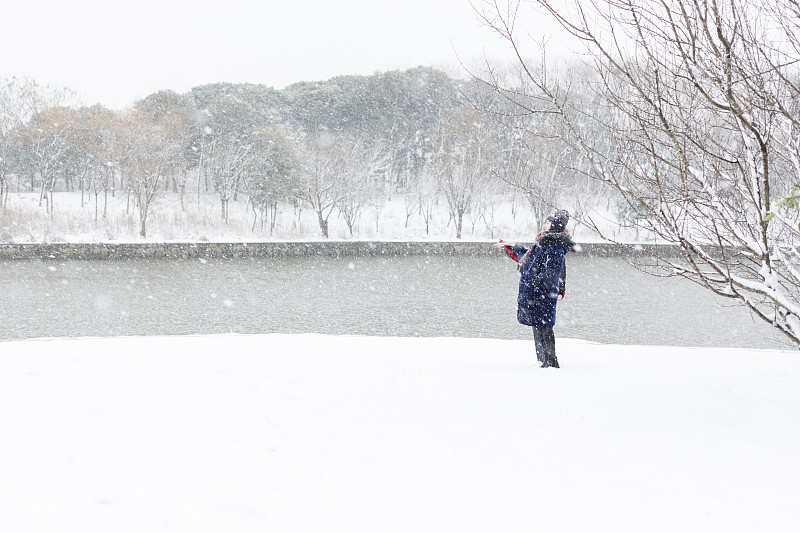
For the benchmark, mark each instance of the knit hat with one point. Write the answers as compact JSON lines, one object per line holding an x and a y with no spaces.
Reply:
{"x":558,"y":220}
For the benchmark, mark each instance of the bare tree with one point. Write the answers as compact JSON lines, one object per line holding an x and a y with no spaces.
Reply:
{"x":698,"y":102}
{"x":411,"y":202}
{"x":46,"y":138}
{"x":38,"y":121}
{"x":110,"y":145}
{"x":367,"y":163}
{"x":461,"y":162}
{"x":428,"y":191}
{"x":539,"y":174}
{"x":353,"y":202}
{"x":226,"y":158}
{"x":375,"y":164}
{"x":87,"y":155}
{"x":322,"y":180}
{"x":18,"y":102}
{"x":152,"y":151}
{"x":185,"y":122}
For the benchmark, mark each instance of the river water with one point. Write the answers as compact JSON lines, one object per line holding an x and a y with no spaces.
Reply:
{"x":607,"y":300}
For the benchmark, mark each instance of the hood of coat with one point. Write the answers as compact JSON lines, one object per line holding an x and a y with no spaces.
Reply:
{"x":557,"y":238}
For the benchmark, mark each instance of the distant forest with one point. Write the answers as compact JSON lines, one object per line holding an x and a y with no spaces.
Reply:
{"x":337,"y":146}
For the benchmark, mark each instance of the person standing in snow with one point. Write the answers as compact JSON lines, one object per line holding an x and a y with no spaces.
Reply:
{"x":542,"y":282}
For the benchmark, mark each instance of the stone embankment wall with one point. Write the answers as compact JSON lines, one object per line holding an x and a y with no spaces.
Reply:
{"x":201,"y":250}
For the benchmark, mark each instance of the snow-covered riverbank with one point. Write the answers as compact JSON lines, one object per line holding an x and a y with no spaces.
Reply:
{"x":312,"y":433}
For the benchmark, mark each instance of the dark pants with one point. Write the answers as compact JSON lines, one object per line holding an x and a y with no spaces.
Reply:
{"x":545,"y":341}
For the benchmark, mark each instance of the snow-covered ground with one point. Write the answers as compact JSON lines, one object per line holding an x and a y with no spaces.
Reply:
{"x":311,"y":433}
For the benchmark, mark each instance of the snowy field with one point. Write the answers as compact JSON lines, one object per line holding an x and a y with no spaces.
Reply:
{"x":311,"y":433}
{"x":197,"y":219}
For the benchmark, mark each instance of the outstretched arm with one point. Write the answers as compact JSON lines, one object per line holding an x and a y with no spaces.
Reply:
{"x":513,"y":250}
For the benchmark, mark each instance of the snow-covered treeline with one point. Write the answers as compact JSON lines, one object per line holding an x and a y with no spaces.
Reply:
{"x":339,"y":149}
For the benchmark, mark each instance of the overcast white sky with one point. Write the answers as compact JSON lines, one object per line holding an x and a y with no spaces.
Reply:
{"x":114,"y":53}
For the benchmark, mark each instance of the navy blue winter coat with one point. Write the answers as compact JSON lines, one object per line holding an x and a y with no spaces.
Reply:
{"x":539,"y":282}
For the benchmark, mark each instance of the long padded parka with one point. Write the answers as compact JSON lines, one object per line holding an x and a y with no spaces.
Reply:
{"x":539,"y":283}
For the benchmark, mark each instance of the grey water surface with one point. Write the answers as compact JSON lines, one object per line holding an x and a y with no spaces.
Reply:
{"x":607,"y":300}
